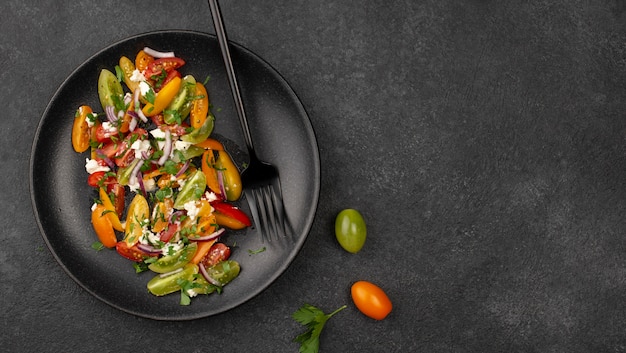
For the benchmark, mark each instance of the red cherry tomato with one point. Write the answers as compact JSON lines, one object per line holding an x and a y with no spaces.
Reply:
{"x":371,"y":300}
{"x":218,"y":252}
{"x":132,"y":253}
{"x":230,"y":216}
{"x":95,"y":180}
{"x":168,"y":232}
{"x":156,"y":67}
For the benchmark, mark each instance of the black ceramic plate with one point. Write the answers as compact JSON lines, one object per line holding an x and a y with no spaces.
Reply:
{"x":282,"y":134}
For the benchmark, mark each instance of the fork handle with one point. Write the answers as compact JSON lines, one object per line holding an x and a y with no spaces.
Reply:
{"x":222,"y":39}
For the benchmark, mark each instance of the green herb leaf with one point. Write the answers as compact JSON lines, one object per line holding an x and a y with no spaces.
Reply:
{"x":140,"y":267}
{"x":97,"y":246}
{"x":150,"y":96}
{"x":314,"y":319}
{"x":119,"y":73}
{"x":257,"y":251}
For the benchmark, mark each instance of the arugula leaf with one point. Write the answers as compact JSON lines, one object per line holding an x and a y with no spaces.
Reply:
{"x":314,"y":319}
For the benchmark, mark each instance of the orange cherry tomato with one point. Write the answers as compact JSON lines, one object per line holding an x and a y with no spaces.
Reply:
{"x":163,"y":98}
{"x":143,"y":60}
{"x":199,"y":107}
{"x":371,"y":300}
{"x":103,"y":227}
{"x":161,"y":213}
{"x":211,"y":144}
{"x":230,"y":175}
{"x":203,"y":249}
{"x":208,"y":168}
{"x":80,"y":130}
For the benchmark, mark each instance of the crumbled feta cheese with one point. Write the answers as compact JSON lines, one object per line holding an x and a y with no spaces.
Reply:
{"x":140,"y":146}
{"x":109,"y":129}
{"x":147,"y":237}
{"x":192,"y":209}
{"x":159,"y":135}
{"x":192,"y":293}
{"x":182,"y":145}
{"x":210,"y":196}
{"x":137,"y":76}
{"x":91,"y":119}
{"x":93,"y":207}
{"x":144,"y":88}
{"x":149,"y":185}
{"x":92,"y":166}
{"x":170,"y":248}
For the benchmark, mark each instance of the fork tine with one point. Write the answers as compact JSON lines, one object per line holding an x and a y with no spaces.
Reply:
{"x":253,"y":204}
{"x":268,"y":213}
{"x":264,"y":216}
{"x":279,"y":210}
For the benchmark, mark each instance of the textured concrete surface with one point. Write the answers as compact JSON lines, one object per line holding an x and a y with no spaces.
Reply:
{"x":483,"y":141}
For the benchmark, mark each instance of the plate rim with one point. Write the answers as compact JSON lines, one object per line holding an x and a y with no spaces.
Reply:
{"x":309,"y":220}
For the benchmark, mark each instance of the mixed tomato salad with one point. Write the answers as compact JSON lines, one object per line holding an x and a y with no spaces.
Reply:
{"x":164,"y":187}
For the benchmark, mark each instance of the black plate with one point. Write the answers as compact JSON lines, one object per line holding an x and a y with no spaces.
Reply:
{"x":282,"y":134}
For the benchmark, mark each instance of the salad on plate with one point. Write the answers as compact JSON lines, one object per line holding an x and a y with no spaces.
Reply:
{"x":164,"y":188}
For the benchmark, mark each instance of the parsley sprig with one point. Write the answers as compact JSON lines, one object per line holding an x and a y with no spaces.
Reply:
{"x":314,"y":319}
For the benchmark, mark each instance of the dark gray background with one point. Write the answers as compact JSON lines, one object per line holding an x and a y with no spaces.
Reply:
{"x":483,"y":141}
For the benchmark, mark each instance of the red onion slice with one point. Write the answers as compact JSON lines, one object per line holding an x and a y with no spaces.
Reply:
{"x":167,"y":149}
{"x":183,"y":169}
{"x":148,"y":249}
{"x":158,"y":54}
{"x":110,"y":111}
{"x":133,"y":124}
{"x":220,"y":181}
{"x":141,"y":185}
{"x":211,"y":236}
{"x":138,"y":112}
{"x":206,"y":276}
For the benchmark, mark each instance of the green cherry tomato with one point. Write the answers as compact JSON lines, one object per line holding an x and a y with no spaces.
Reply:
{"x":224,"y":271}
{"x":110,"y":90}
{"x":173,"y":262}
{"x":181,"y":104}
{"x":350,"y":230}
{"x":169,"y":284}
{"x":192,"y":190}
{"x":202,"y":133}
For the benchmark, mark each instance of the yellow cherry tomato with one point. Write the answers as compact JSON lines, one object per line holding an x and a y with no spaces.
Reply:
{"x":80,"y":129}
{"x":163,"y":98}
{"x":138,"y":215}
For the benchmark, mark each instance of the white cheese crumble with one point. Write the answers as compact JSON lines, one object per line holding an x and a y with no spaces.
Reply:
{"x":137,"y":76}
{"x":182,"y":145}
{"x":92,"y":166}
{"x":91,"y":119}
{"x":148,"y":238}
{"x":109,"y":129}
{"x":159,"y":135}
{"x":210,"y":196}
{"x":140,"y":146}
{"x":144,"y":88}
{"x":192,"y":209}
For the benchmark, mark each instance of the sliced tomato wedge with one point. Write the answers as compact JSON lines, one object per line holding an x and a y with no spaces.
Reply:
{"x":230,"y":216}
{"x":156,"y":67}
{"x":218,"y":252}
{"x":168,"y":232}
{"x":132,"y":253}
